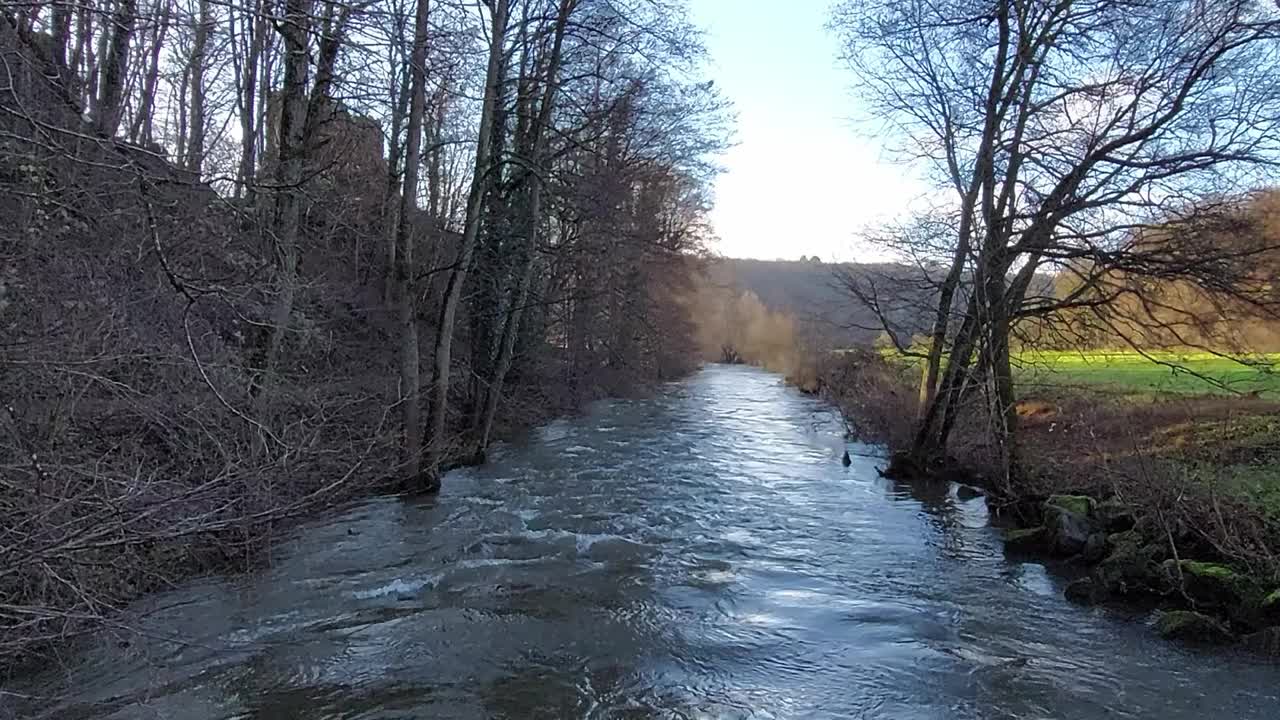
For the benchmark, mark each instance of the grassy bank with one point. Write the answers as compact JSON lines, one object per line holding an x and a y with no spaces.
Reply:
{"x":1189,"y":373}
{"x":1196,"y":468}
{"x":1213,"y":421}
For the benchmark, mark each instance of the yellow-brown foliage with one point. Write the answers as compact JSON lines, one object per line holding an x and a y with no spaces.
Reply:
{"x":734,"y":322}
{"x":1231,"y":308}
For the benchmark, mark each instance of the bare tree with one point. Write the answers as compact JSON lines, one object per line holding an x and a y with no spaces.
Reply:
{"x":254,"y":23}
{"x":410,"y":387}
{"x":481,"y":177}
{"x":1059,"y":127}
{"x":196,"y":85}
{"x":106,"y":114}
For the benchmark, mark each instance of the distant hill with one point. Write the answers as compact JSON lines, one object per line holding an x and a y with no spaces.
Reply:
{"x":816,"y":294}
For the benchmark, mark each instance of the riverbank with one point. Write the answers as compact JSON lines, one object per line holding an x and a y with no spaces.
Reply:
{"x":1168,"y":502}
{"x":104,"y":546}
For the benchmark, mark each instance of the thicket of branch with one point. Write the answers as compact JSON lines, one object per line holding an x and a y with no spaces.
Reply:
{"x":214,"y":269}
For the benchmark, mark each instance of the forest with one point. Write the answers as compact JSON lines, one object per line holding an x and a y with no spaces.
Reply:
{"x":260,"y":256}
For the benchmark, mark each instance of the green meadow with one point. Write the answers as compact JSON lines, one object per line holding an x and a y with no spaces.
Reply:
{"x":1192,"y":373}
{"x":1155,"y":372}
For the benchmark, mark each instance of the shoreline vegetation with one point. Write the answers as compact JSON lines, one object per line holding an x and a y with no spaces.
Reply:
{"x":1168,"y":501}
{"x":1101,"y":178}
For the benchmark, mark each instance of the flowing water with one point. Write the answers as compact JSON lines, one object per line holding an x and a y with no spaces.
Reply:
{"x":699,"y":554}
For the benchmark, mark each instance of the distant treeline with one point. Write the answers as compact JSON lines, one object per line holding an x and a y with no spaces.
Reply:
{"x":852,"y":304}
{"x":734,"y":326}
{"x":1124,"y":307}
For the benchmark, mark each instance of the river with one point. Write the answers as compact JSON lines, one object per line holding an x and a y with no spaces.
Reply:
{"x":699,"y":554}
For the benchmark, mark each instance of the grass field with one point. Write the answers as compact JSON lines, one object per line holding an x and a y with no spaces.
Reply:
{"x":1223,"y":432}
{"x":1150,"y":428}
{"x":1162,"y":372}
{"x":1184,"y":373}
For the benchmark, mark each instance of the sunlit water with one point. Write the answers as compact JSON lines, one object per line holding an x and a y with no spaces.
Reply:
{"x":700,"y":554}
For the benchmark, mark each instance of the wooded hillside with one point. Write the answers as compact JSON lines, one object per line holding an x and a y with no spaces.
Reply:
{"x":260,"y":256}
{"x":817,"y":297}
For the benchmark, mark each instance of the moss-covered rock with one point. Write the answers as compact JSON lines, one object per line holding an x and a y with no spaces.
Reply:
{"x":1194,"y":627}
{"x":1114,"y":516}
{"x":1213,"y":585}
{"x":1096,"y":548}
{"x":1028,"y":540}
{"x":1265,"y":642}
{"x":1211,"y":570}
{"x":1132,"y":567}
{"x":1067,"y":518}
{"x":1068,"y":531}
{"x":1082,"y":505}
{"x":1084,"y":591}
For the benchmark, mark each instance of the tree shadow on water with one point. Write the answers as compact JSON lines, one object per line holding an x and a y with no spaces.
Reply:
{"x":939,"y":506}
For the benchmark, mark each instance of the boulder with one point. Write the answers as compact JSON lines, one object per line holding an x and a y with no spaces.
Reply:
{"x":1084,"y":591}
{"x":1132,"y":567}
{"x":1069,"y":532}
{"x":1269,"y":608}
{"x":1210,"y":584}
{"x":1114,"y":516}
{"x":1028,"y":540}
{"x":1067,"y":519}
{"x":1193,"y":627}
{"x":1265,"y":643}
{"x":1096,"y":548}
{"x":967,"y":492}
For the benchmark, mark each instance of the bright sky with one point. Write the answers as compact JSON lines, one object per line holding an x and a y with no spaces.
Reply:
{"x":805,"y":174}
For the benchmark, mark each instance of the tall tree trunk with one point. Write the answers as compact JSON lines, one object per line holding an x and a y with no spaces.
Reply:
{"x":142,"y":131}
{"x":76,"y":63}
{"x":321,"y":105}
{"x":527,"y":252}
{"x":434,"y":170}
{"x":180,"y":152}
{"x":502,"y":225}
{"x":410,"y":387}
{"x":95,"y":56}
{"x":61,"y":32}
{"x":471,"y":229}
{"x":1005,"y":412}
{"x":106,"y":116}
{"x":249,"y":128}
{"x":942,"y":319}
{"x":199,"y":50}
{"x":289,"y":173}
{"x":935,"y":424}
{"x":510,"y":329}
{"x":267,"y":71}
{"x":395,"y":180}
{"x":299,"y":125}
{"x":980,"y":176}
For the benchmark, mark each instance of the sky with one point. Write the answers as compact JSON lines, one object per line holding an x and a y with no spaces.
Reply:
{"x":806,"y":172}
